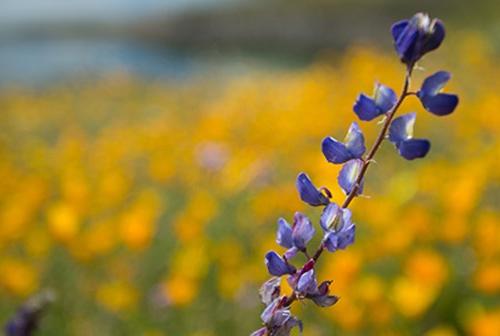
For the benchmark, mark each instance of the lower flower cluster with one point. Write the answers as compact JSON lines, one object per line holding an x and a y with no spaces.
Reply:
{"x":338,"y":233}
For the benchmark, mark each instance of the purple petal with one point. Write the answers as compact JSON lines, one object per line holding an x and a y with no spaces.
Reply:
{"x":397,"y":28}
{"x":406,"y":41}
{"x":290,"y":253}
{"x":331,"y":216}
{"x":385,"y":97}
{"x":346,"y":237}
{"x":434,"y":83}
{"x":365,"y":108}
{"x":341,"y":239}
{"x":321,"y":297}
{"x":288,"y":322}
{"x":335,"y":151}
{"x":335,"y":218}
{"x":269,"y":311}
{"x":402,"y":128}
{"x":307,"y":282}
{"x":302,"y":231}
{"x":414,"y":148}
{"x":308,"y":192}
{"x":441,"y":104}
{"x":270,"y":290}
{"x":355,"y":141}
{"x":261,"y":332}
{"x":325,"y":300}
{"x":284,"y":234}
{"x":276,"y":265}
{"x":433,"y":41}
{"x":348,"y":175}
{"x":324,"y":287}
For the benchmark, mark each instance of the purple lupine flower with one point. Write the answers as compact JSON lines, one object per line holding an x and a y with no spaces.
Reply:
{"x":302,"y":231}
{"x":307,"y":282}
{"x":339,"y":240}
{"x":293,"y":279}
{"x":334,"y":217}
{"x":432,"y":99}
{"x":294,"y":238}
{"x":308,"y":192}
{"x":417,"y":36}
{"x":401,"y":135}
{"x":353,"y":146}
{"x":270,"y":290}
{"x":338,"y":227}
{"x":307,"y":286}
{"x":270,"y":309}
{"x":283,"y":322}
{"x":321,"y":297}
{"x":284,"y":238}
{"x":348,"y":176}
{"x":278,"y":319}
{"x":284,"y":234}
{"x":367,"y":108}
{"x":276,"y":265}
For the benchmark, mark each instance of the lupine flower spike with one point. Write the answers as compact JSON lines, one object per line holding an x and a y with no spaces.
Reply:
{"x":413,"y":38}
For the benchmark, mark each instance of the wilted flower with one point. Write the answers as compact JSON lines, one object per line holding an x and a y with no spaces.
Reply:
{"x":353,"y":146}
{"x":321,"y":297}
{"x":306,"y":286}
{"x":433,"y":101}
{"x":270,"y":290}
{"x":278,"y":319}
{"x":417,"y":36}
{"x":367,"y":108}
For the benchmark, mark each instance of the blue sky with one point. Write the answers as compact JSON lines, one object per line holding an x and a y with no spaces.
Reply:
{"x":27,"y":11}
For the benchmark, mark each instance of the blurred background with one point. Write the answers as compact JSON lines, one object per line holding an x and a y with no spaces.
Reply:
{"x":147,"y":149}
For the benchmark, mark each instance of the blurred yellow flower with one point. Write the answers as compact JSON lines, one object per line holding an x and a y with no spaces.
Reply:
{"x":441,"y":331}
{"x":427,"y":267}
{"x":138,"y":224}
{"x":485,"y":324}
{"x":487,"y":278}
{"x":63,"y":222}
{"x":18,"y":277}
{"x":179,"y":290}
{"x":412,"y":297}
{"x":117,"y":296}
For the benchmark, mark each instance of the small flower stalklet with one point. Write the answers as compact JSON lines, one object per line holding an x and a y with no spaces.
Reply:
{"x":413,"y":38}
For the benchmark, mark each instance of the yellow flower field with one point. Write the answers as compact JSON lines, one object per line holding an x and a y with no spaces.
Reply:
{"x":148,"y":207}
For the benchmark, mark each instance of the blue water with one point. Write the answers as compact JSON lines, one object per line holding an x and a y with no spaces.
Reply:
{"x":38,"y":62}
